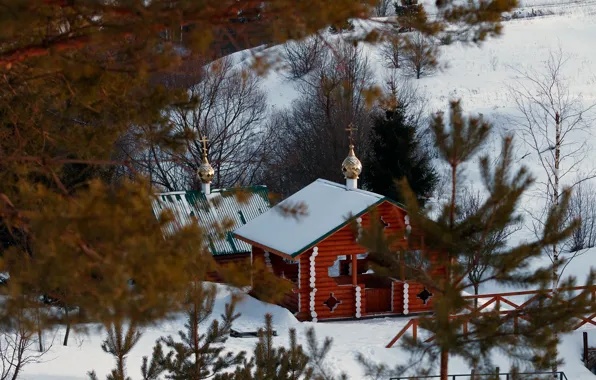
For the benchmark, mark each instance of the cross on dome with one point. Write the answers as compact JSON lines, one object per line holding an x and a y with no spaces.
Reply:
{"x":204,"y":141}
{"x":351,"y":129}
{"x":351,"y":167}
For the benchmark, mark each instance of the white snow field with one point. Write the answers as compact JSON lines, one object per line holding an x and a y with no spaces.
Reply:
{"x":479,"y":75}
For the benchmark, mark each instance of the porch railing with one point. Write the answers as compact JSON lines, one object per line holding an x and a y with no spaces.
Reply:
{"x":511,"y":313}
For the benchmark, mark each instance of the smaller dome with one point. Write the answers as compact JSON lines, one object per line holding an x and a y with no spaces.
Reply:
{"x":205,"y":171}
{"x":351,"y":167}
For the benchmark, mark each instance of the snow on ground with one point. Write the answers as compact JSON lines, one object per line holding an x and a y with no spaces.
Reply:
{"x":477,"y":74}
{"x":368,"y":337}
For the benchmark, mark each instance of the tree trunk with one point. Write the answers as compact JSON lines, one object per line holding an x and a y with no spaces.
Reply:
{"x":444,"y":364}
{"x":476,"y":291}
{"x":39,"y":339}
{"x":65,"y":343}
{"x":555,"y":246}
{"x":121,"y":367}
{"x":195,"y":336}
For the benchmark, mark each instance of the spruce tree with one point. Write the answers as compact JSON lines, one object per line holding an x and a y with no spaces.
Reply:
{"x":441,"y":248}
{"x":119,"y":343}
{"x":396,"y":153}
{"x":201,"y":354}
{"x":285,"y":363}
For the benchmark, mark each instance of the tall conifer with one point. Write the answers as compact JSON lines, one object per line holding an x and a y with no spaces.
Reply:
{"x":396,"y":153}
{"x":440,"y":252}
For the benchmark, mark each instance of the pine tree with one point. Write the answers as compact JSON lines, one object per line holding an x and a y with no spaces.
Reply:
{"x":74,"y":78}
{"x":285,"y":363}
{"x":201,"y":355}
{"x":119,"y":343}
{"x":409,"y":13}
{"x":396,"y":153}
{"x":440,"y":249}
{"x":150,"y":370}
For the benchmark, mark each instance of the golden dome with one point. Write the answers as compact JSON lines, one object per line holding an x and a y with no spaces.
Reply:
{"x":206,"y":171}
{"x":351,"y":167}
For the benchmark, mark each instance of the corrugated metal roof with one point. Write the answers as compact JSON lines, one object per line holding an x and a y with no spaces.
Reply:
{"x":211,"y":210}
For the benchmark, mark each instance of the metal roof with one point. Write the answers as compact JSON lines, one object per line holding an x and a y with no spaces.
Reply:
{"x":210,"y":210}
{"x":329,"y":207}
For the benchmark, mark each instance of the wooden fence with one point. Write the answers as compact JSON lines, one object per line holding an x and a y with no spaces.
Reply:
{"x":495,"y":303}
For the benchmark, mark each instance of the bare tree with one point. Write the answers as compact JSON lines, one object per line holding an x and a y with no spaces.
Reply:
{"x":478,"y":265}
{"x":391,"y":51}
{"x":308,"y":140}
{"x":420,"y":55}
{"x":228,"y":107}
{"x":305,"y":55}
{"x":383,"y":8}
{"x":19,"y":342}
{"x":582,"y":205}
{"x":551,"y":123}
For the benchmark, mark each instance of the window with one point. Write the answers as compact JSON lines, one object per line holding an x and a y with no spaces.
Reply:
{"x":337,"y":269}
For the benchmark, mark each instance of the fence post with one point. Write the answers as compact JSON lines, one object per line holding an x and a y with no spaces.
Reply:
{"x":586,"y":350}
{"x":415,"y":330}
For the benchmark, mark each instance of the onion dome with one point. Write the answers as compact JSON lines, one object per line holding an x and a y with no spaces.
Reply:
{"x":351,"y":167}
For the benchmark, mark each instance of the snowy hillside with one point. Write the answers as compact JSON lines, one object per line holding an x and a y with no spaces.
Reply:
{"x":368,"y":337}
{"x":477,"y":74}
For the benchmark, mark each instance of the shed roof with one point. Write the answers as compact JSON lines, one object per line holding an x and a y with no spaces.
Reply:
{"x":329,"y":206}
{"x":213,"y":208}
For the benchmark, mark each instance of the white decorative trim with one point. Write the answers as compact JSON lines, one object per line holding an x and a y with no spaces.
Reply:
{"x":359,"y":224}
{"x":268,"y":261}
{"x":298,"y":302}
{"x":392,"y":291}
{"x":358,"y":302}
{"x":408,"y":226}
{"x":406,"y":300}
{"x":313,"y":277}
{"x":298,"y":274}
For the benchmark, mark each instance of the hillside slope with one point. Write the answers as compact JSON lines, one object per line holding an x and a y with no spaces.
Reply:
{"x":479,"y":75}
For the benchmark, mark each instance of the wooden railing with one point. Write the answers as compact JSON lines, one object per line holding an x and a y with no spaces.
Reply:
{"x":497,"y":301}
{"x":505,"y":376}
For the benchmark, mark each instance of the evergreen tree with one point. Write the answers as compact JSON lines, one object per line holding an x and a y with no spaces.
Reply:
{"x":74,"y":78}
{"x":285,"y":363}
{"x":440,"y":250}
{"x":409,"y":13}
{"x":396,"y":153}
{"x":119,"y":343}
{"x":200,"y":355}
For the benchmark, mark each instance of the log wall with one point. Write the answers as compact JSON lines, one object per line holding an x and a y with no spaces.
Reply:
{"x":340,"y":243}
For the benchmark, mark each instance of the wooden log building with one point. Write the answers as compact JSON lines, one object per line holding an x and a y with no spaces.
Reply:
{"x":320,"y":254}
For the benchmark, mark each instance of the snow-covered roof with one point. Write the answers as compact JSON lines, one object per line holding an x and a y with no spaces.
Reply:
{"x":329,"y":206}
{"x":212,"y":209}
